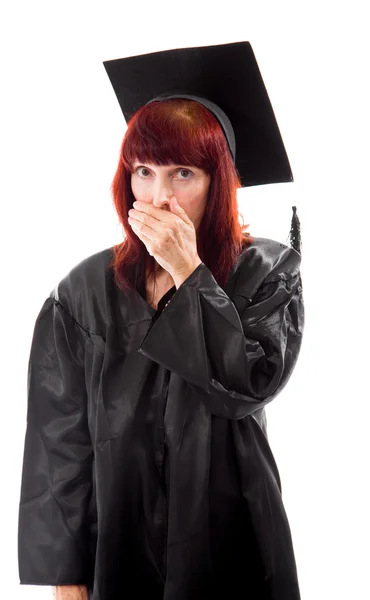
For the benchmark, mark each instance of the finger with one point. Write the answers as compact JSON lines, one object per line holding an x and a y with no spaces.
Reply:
{"x":144,"y":221}
{"x":144,"y":230}
{"x":182,"y":214}
{"x":159,"y":214}
{"x":143,"y":238}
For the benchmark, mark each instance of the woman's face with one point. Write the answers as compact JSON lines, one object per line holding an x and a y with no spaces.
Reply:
{"x":155,"y":184}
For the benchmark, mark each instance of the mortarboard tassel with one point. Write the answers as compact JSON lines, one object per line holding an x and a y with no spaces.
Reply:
{"x":295,"y":231}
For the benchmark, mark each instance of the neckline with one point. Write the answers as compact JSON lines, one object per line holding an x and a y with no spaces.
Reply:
{"x":165,"y":298}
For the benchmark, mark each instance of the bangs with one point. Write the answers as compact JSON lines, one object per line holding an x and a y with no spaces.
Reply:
{"x":175,"y":131}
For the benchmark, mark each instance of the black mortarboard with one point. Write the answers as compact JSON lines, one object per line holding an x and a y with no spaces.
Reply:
{"x":226,"y":79}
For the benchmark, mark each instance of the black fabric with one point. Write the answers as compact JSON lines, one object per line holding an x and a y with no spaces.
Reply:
{"x":147,"y":471}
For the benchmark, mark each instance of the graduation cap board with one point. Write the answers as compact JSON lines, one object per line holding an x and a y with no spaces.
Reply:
{"x":225,"y":78}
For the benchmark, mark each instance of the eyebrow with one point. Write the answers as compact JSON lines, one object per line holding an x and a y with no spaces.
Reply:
{"x":139,"y":164}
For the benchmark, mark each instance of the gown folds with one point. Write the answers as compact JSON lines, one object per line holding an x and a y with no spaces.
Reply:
{"x":147,"y":471}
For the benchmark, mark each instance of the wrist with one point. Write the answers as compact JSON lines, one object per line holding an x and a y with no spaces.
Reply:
{"x":180,"y":277}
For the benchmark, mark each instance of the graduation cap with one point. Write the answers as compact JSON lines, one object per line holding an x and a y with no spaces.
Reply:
{"x":225,"y":78}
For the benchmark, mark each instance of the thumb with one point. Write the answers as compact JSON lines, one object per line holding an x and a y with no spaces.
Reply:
{"x":176,"y":205}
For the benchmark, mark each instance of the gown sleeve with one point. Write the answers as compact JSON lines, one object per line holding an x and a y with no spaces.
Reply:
{"x":56,"y":482}
{"x":236,"y":360}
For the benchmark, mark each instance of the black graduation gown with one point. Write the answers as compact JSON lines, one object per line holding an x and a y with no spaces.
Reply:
{"x":147,"y":471}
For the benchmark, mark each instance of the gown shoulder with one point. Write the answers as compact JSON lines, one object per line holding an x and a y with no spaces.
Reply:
{"x":85,"y":285}
{"x":264,"y":261}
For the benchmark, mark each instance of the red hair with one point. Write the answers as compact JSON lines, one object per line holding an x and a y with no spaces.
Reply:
{"x":180,"y":131}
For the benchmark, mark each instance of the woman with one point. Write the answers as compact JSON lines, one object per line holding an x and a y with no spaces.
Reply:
{"x":147,"y":469}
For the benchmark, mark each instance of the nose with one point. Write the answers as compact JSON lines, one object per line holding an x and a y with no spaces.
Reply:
{"x":162,"y":192}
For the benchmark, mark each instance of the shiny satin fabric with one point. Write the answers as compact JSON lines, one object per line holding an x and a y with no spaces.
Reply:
{"x":147,"y":470}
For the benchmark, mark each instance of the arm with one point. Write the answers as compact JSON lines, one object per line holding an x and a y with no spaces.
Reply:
{"x":70,"y":592}
{"x":56,"y":484}
{"x":234,"y":361}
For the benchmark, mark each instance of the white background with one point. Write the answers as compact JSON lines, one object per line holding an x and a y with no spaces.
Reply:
{"x":61,"y":129}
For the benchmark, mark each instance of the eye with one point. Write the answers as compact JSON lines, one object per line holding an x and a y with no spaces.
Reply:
{"x":145,"y":169}
{"x":186,"y":171}
{"x":181,"y":170}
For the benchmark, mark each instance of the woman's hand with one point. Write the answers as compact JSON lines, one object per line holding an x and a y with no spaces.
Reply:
{"x":70,"y":592}
{"x":168,"y":236}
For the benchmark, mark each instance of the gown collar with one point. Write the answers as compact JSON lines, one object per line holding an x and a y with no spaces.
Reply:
{"x":162,"y":302}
